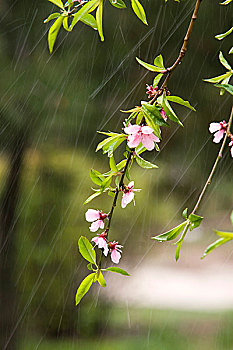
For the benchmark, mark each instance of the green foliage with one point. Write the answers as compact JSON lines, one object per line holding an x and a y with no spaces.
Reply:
{"x":87,"y":250}
{"x":153,"y":117}
{"x":118,"y":3}
{"x":84,"y":287}
{"x":144,"y":163}
{"x":110,"y":144}
{"x":163,"y":101}
{"x":139,"y":10}
{"x":172,"y":234}
{"x":223,"y":35}
{"x":101,"y":279}
{"x":195,"y":221}
{"x":225,"y":87}
{"x":117,"y":270}
{"x":53,"y":32}
{"x":157,"y":67}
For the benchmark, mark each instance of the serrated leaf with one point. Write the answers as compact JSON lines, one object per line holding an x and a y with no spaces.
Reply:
{"x":117,"y":270}
{"x":58,"y":3}
{"x":226,"y":87}
{"x":180,"y":101}
{"x":139,"y":10}
{"x":94,"y":195}
{"x":223,"y":35}
{"x":144,"y":163}
{"x":84,"y":287}
{"x":88,"y":7}
{"x":215,"y":245}
{"x":195,"y":221}
{"x":101,"y":280}
{"x":149,"y":67}
{"x":87,"y":250}
{"x":118,"y":3}
{"x":52,"y":16}
{"x":224,"y":61}
{"x":53,"y":32}
{"x":172,"y":234}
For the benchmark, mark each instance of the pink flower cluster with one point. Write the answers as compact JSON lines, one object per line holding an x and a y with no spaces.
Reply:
{"x":151,"y":91}
{"x":141,"y":134}
{"x":219,"y":129}
{"x":128,"y":194}
{"x":97,"y":218}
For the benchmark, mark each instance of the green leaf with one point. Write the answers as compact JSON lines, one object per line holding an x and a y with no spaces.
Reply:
{"x":224,"y":61}
{"x":101,"y":280}
{"x":226,"y":2}
{"x":157,"y":80}
{"x":66,"y":25}
{"x":158,"y":62}
{"x":58,"y":3}
{"x":117,"y":270}
{"x":139,"y":117}
{"x":178,"y":247}
{"x":96,"y":177}
{"x":185,"y":213}
{"x":112,"y":164}
{"x":84,"y":287}
{"x":118,"y":3}
{"x":169,"y":111}
{"x":89,"y":20}
{"x":140,"y":149}
{"x":152,"y":113}
{"x":90,"y":267}
{"x":87,"y":250}
{"x":226,"y":87}
{"x":215,"y":245}
{"x":172,"y":234}
{"x":106,"y":183}
{"x":94,"y":195}
{"x":139,"y":10}
{"x":228,"y":235}
{"x":53,"y":32}
{"x":149,"y":67}
{"x":230,"y":51}
{"x":218,"y":79}
{"x":195,"y":221}
{"x":52,"y":16}
{"x":88,"y":7}
{"x":99,"y":19}
{"x":180,"y":101}
{"x":223,"y":35}
{"x":110,"y":144}
{"x":144,"y":163}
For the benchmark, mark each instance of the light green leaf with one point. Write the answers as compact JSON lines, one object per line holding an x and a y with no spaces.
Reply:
{"x":152,"y":113}
{"x":84,"y":287}
{"x":96,"y":177}
{"x":230,"y":51}
{"x":117,"y":270}
{"x":223,"y":35}
{"x":215,"y":245}
{"x":112,"y":164}
{"x":224,"y":61}
{"x":101,"y":279}
{"x":149,"y":67}
{"x":180,"y":101}
{"x":52,"y":16}
{"x":65,"y":24}
{"x":226,"y":87}
{"x":224,"y":234}
{"x":106,"y":183}
{"x":88,"y":7}
{"x":157,"y":80}
{"x":195,"y":221}
{"x":226,"y":2}
{"x":140,"y":149}
{"x":144,"y":163}
{"x":118,"y":3}
{"x":169,"y":111}
{"x":139,"y":10}
{"x":87,"y":250}
{"x":58,"y":3}
{"x":218,"y":79}
{"x":158,"y":62}
{"x":89,"y":20}
{"x":94,"y":195}
{"x":53,"y":32}
{"x":90,"y":267}
{"x":172,"y":234}
{"x":99,"y":19}
{"x":178,"y":247}
{"x":185,"y":213}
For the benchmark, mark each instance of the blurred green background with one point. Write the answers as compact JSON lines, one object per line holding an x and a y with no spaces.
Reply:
{"x":50,"y":110}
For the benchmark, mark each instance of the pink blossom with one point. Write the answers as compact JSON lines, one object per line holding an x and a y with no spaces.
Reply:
{"x":115,"y":251}
{"x":101,"y":242}
{"x":138,"y":134}
{"x":163,"y":114}
{"x":219,"y":130}
{"x":128,"y":194}
{"x":231,"y":145}
{"x":151,"y":91}
{"x":97,"y":218}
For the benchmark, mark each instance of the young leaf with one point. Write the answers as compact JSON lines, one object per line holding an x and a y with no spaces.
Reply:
{"x":90,"y":267}
{"x":224,"y":61}
{"x":99,"y":19}
{"x":144,"y":163}
{"x":53,"y":32}
{"x":96,"y":177}
{"x":152,"y":113}
{"x":89,"y":20}
{"x":94,"y":195}
{"x":117,"y":270}
{"x":172,"y":234}
{"x":226,"y":87}
{"x":185,"y":213}
{"x":218,"y":79}
{"x":178,"y":247}
{"x":224,"y":234}
{"x":88,"y":7}
{"x":112,"y":164}
{"x":215,"y":245}
{"x":223,"y":35}
{"x":158,"y":62}
{"x":149,"y":67}
{"x":157,"y":80}
{"x":106,"y":183}
{"x":87,"y":250}
{"x":52,"y":16}
{"x":195,"y":221}
{"x":139,"y":10}
{"x":118,"y":3}
{"x":58,"y":3}
{"x":226,"y":2}
{"x":231,"y":50}
{"x":169,"y":111}
{"x":180,"y":101}
{"x":101,"y":279}
{"x":84,"y":287}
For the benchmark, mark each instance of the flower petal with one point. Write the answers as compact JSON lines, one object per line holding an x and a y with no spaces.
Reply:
{"x":127,"y":198}
{"x":147,"y":130}
{"x":95,"y":225}
{"x":92,"y":215}
{"x":148,"y":142}
{"x":115,"y":256}
{"x":218,"y":136}
{"x":132,"y":129}
{"x":134,"y":140}
{"x":214,"y":127}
